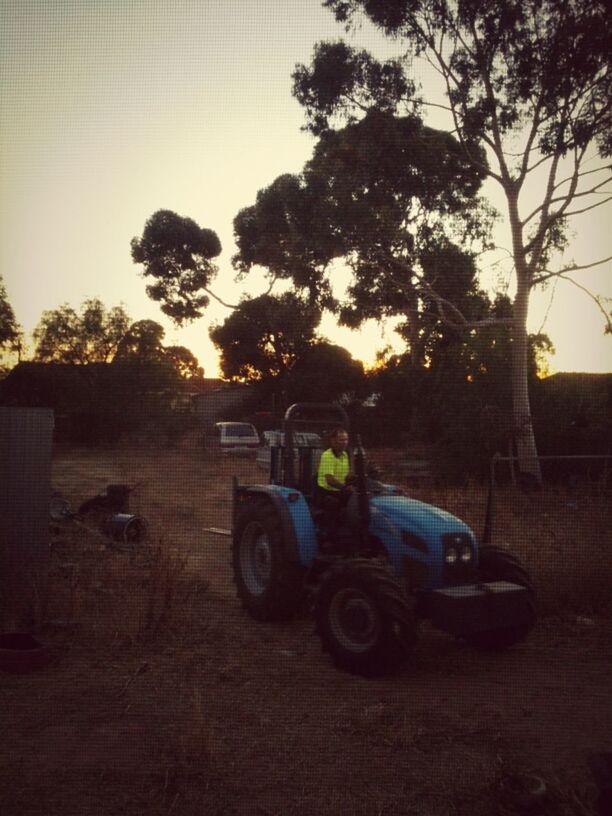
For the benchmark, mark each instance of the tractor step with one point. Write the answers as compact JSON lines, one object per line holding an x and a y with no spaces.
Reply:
{"x":464,"y":610}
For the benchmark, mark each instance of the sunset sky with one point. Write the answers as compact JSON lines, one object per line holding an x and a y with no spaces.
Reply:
{"x":113,"y":110}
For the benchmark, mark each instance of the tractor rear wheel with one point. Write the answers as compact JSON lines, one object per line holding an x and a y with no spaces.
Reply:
{"x":364,"y":618}
{"x":497,"y":564}
{"x":268,"y":582}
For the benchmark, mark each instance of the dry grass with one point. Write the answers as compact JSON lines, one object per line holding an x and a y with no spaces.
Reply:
{"x":563,"y":534}
{"x":166,"y":699}
{"x":563,"y":537}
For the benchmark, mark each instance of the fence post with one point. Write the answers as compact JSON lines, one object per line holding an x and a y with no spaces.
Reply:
{"x":25,"y":491}
{"x":488,"y":524}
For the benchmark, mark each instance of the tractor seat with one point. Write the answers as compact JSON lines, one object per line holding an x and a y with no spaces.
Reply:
{"x":308,"y":466}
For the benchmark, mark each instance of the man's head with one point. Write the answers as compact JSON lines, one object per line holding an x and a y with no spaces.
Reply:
{"x":339,"y":440}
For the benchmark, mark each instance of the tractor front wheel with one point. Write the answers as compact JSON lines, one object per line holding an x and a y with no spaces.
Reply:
{"x":497,"y":564}
{"x":364,"y":618}
{"x":268,"y":582}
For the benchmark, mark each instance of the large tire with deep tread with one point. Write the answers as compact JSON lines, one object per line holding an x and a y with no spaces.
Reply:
{"x":268,"y":582}
{"x":497,"y":564}
{"x":364,"y":618}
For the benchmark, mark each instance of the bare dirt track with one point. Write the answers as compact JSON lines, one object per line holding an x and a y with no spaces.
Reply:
{"x":166,"y":698}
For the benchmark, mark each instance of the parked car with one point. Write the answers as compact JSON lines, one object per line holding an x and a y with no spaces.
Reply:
{"x":233,"y":437}
{"x":272,"y":439}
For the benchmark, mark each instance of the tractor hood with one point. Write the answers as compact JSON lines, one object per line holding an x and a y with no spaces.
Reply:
{"x":416,"y":517}
{"x":413,"y":531}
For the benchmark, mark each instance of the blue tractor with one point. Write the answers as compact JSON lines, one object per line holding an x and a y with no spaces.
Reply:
{"x":385,"y":562}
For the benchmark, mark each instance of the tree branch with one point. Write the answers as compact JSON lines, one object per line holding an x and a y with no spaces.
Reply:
{"x":529,"y":145}
{"x":237,"y":305}
{"x":592,"y":191}
{"x":460,"y":322}
{"x":457,"y":321}
{"x":595,"y":298}
{"x":486,"y":81}
{"x":585,"y":173}
{"x":574,"y":268}
{"x":587,"y":209}
{"x":547,"y":220}
{"x":446,"y":72}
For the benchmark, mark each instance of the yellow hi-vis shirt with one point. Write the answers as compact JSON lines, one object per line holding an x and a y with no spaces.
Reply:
{"x":337,"y":466}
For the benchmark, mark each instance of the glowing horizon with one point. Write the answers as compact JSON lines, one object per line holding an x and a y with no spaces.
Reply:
{"x":111,"y":112}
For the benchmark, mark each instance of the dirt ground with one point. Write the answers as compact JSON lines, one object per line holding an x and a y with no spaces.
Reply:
{"x":166,"y":698}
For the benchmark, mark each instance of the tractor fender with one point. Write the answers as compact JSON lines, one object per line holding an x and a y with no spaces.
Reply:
{"x":299,"y":534}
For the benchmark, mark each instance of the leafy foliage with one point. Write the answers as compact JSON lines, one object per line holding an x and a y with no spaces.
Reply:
{"x":325,"y":373}
{"x":530,"y":83}
{"x":143,"y":341}
{"x":536,"y":72}
{"x":92,"y":335}
{"x":401,"y":196}
{"x":183,"y":361}
{"x":287,"y":232}
{"x":442,"y":405}
{"x":264,"y":337}
{"x":10,"y":332}
{"x":343,"y":81}
{"x":382,"y":194}
{"x":177,"y":254}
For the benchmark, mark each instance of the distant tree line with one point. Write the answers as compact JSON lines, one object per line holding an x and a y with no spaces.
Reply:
{"x":94,"y":334}
{"x":108,"y":375}
{"x":99,"y":335}
{"x":114,"y":376}
{"x":11,"y":335}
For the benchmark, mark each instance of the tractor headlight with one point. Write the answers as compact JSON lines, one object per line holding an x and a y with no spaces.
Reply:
{"x":458,"y":554}
{"x":466,"y":554}
{"x":451,"y":556}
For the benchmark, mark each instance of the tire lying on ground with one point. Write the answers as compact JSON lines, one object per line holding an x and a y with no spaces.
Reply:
{"x":497,"y":564}
{"x":364,"y":618}
{"x":268,"y":582}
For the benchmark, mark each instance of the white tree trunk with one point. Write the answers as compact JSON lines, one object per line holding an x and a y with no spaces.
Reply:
{"x":528,"y":462}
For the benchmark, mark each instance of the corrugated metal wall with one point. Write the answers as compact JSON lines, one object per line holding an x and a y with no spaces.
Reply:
{"x":26,"y":436}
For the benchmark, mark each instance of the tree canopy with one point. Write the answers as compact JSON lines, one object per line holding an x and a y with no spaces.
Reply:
{"x":142,"y":341}
{"x":382,"y":194}
{"x":325,"y":372}
{"x":92,"y":335}
{"x":399,"y":195}
{"x":527,"y":85}
{"x":286,"y":232}
{"x":177,"y":254}
{"x":184,"y":362}
{"x":10,"y":332}
{"x":100,"y":335}
{"x":263,"y":338}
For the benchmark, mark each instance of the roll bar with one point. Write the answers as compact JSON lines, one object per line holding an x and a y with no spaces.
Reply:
{"x":312,"y":413}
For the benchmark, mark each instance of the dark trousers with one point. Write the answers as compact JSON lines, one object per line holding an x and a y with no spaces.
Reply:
{"x":332,"y":504}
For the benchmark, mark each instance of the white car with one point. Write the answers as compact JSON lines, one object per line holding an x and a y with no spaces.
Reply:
{"x":233,"y":437}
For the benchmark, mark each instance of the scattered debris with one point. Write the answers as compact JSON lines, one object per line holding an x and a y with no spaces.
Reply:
{"x":108,"y":511}
{"x":218,"y":531}
{"x":116,"y":500}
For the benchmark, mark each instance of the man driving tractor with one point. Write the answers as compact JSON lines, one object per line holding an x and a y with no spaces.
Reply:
{"x":334,"y":473}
